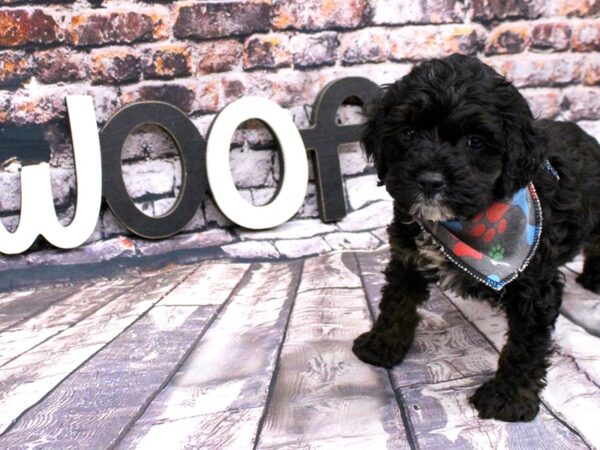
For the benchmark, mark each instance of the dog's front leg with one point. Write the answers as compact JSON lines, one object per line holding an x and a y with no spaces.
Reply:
{"x":532,"y":308}
{"x":394,"y":330}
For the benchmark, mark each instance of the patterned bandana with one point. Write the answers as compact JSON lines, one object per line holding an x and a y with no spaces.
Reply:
{"x":496,"y":245}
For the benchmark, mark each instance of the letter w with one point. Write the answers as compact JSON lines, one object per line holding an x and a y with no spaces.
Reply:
{"x":38,"y":216}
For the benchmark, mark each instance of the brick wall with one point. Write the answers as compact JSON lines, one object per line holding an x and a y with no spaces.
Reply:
{"x":202,"y":55}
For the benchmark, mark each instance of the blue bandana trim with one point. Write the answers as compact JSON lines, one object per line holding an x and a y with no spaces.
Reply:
{"x":497,"y":244}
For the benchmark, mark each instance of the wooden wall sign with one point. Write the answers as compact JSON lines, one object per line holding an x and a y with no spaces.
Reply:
{"x":99,"y":172}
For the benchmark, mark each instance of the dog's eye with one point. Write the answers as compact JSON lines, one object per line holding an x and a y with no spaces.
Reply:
{"x":475,"y":142}
{"x":406,"y":134}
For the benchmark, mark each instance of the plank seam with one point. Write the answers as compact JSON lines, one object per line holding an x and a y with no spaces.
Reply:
{"x":408,"y":426}
{"x":550,"y":410}
{"x":271,"y":389}
{"x":59,"y":299}
{"x":8,"y":428}
{"x":102,"y":305}
{"x":119,"y":438}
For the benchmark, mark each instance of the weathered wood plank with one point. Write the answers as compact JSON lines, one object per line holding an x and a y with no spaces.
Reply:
{"x":26,"y":304}
{"x":443,"y":418}
{"x":59,"y":316}
{"x":580,"y":305}
{"x":207,"y":285}
{"x":227,"y":376}
{"x":573,"y":390}
{"x":336,"y":270}
{"x":117,"y":384}
{"x":27,"y":379}
{"x":324,"y":397}
{"x":446,"y":346}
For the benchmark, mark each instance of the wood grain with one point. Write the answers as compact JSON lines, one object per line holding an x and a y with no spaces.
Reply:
{"x":446,"y":346}
{"x":119,"y":381}
{"x":229,"y":371}
{"x":443,"y":418}
{"x":324,"y":397}
{"x":27,"y":379}
{"x":59,"y":316}
{"x":25,"y":304}
{"x":580,"y":305}
{"x":573,"y":390}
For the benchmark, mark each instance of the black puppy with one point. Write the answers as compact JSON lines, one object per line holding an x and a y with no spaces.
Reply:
{"x":452,"y":141}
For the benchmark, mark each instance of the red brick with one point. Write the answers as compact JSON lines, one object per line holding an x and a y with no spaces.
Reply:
{"x":190,"y":97}
{"x":177,"y":94}
{"x":112,"y":27}
{"x":586,"y":36}
{"x":368,"y":45}
{"x":114,"y":66}
{"x":216,"y":56}
{"x":21,"y":27}
{"x":313,"y":50}
{"x":267,"y":51}
{"x":394,"y":12}
{"x":221,"y":18}
{"x":551,"y":36}
{"x":415,"y":43}
{"x":14,"y":68}
{"x":570,"y":8}
{"x":539,"y":70}
{"x":30,"y":108}
{"x":167,"y":61}
{"x":60,"y":64}
{"x":508,"y":38}
{"x":582,"y":103}
{"x":320,"y":14}
{"x":490,"y":10}
{"x":591,"y":74}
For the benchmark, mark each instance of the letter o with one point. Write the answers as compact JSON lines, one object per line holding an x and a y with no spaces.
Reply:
{"x":292,"y":189}
{"x":191,"y":148}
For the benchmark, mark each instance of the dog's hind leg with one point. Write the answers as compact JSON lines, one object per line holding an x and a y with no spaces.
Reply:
{"x":394,"y":330}
{"x":590,"y":277}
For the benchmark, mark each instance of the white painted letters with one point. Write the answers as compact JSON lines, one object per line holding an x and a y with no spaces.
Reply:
{"x":294,"y":181}
{"x":38,"y":216}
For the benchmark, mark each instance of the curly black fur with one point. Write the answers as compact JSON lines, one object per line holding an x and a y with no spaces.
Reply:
{"x":456,"y":116}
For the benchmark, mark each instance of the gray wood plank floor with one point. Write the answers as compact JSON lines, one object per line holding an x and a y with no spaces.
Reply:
{"x":241,"y":355}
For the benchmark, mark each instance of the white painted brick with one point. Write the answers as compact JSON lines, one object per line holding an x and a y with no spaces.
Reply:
{"x":10,"y":187}
{"x":212,"y":214}
{"x":295,"y":248}
{"x":352,"y":241}
{"x":262,"y":196}
{"x":186,"y":241}
{"x":251,"y":249}
{"x":250,"y":168}
{"x":291,"y":230}
{"x":149,"y":141}
{"x":149,"y":178}
{"x":592,"y":127}
{"x":353,"y":159}
{"x":362,"y":190}
{"x":375,"y":215}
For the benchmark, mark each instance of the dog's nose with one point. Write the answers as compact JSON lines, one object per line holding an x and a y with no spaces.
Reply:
{"x":431,"y":182}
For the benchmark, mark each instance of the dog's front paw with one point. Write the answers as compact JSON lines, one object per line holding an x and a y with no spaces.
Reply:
{"x":590,"y":281}
{"x":497,"y":399}
{"x":380,"y":348}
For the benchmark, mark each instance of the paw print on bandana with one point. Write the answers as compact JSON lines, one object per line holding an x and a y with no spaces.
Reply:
{"x":497,"y":252}
{"x":496,"y":223}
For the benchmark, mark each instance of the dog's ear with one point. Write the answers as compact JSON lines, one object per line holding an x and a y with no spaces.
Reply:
{"x":372,"y":136}
{"x":524,"y":147}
